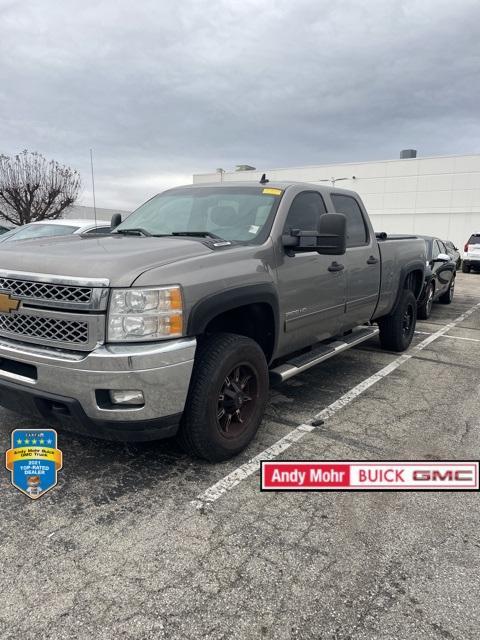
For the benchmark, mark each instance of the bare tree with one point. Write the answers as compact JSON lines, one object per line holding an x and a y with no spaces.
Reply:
{"x":32,"y":188}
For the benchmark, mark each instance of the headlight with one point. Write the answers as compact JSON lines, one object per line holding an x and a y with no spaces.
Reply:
{"x":145,"y":314}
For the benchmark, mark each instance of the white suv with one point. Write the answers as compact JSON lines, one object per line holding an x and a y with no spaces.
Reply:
{"x":471,"y":257}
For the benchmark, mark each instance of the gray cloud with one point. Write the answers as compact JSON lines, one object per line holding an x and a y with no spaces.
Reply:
{"x":162,"y":89}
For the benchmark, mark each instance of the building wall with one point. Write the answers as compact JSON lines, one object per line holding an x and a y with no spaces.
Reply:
{"x":434,"y":196}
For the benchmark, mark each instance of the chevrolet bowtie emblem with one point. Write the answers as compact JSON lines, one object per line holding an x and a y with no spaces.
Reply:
{"x":7,"y":303}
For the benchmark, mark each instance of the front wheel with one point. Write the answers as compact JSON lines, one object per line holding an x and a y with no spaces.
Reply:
{"x":425,"y":309}
{"x":397,"y":329}
{"x":227,"y":397}
{"x":447,"y":297}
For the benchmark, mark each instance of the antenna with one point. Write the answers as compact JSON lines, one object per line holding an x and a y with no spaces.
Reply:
{"x":264,"y":179}
{"x":93,"y":187}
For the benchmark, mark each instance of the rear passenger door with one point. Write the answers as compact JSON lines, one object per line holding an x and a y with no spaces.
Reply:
{"x":362,"y":262}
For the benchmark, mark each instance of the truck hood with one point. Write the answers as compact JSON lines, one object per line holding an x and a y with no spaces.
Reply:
{"x":119,"y":258}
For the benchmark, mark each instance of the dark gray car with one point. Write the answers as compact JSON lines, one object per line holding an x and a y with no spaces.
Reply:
{"x":440,"y":275}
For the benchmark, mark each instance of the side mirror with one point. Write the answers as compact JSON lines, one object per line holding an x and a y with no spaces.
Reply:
{"x":115,"y":221}
{"x":442,"y":257}
{"x":332,"y":234}
{"x":330,"y":239}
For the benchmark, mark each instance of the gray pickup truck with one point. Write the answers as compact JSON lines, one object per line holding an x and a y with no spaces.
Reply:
{"x":177,"y":321}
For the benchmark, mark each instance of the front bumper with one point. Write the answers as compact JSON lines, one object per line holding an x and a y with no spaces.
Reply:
{"x":71,"y":388}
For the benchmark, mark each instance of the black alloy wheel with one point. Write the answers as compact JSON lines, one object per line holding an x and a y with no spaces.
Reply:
{"x":236,"y":400}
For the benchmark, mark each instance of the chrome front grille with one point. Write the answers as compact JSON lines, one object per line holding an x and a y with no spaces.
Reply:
{"x":51,"y":329}
{"x":76,"y":331}
{"x":56,"y":311}
{"x":61,"y":292}
{"x":43,"y":291}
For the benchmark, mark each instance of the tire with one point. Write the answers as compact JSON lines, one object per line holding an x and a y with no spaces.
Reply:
{"x":228,"y":369}
{"x":425,"y":309}
{"x":447,"y":297}
{"x":465,"y":268}
{"x":397,"y":329}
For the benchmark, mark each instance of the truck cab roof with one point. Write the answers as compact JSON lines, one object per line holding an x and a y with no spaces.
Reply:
{"x":272,"y":184}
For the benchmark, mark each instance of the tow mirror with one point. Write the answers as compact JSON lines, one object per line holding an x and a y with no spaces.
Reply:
{"x":115,"y":221}
{"x":330,"y":239}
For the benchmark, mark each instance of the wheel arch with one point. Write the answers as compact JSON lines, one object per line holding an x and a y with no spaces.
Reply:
{"x":251,"y":311}
{"x":412,"y":276}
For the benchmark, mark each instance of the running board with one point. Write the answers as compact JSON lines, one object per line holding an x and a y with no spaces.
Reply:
{"x":320,"y":354}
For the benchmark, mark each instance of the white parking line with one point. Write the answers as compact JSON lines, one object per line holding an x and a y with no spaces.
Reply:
{"x":462,"y":338}
{"x":244,"y":471}
{"x":427,"y":333}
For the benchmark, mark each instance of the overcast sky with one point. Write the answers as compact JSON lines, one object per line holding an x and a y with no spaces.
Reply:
{"x":162,"y":89}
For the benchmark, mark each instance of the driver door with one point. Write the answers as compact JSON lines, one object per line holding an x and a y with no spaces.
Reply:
{"x":311,"y":286}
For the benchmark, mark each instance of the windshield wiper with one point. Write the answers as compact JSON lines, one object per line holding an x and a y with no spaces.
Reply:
{"x":197,"y":234}
{"x":135,"y":231}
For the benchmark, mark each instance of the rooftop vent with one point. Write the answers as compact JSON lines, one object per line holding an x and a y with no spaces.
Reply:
{"x":408,"y":153}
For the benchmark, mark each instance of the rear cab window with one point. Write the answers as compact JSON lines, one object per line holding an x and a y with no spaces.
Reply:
{"x":357,"y":231}
{"x":474,"y":239}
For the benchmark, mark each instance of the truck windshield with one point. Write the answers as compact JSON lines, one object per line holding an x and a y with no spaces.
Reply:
{"x":231,"y":213}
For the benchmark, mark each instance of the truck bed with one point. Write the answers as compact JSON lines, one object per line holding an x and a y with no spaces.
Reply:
{"x":398,"y":253}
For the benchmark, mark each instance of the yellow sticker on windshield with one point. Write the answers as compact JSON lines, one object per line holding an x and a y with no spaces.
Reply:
{"x":272,"y":192}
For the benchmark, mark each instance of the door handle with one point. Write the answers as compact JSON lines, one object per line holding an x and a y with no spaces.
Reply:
{"x":372,"y":260}
{"x":335,"y":266}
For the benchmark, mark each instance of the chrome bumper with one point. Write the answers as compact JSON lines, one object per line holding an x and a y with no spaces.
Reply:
{"x":161,"y":370}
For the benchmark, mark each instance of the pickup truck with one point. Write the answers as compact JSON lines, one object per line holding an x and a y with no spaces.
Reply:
{"x":176,"y":322}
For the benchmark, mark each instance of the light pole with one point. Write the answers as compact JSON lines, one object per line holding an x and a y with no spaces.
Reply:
{"x":334,"y":180}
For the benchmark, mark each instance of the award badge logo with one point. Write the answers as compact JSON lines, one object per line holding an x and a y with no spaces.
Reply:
{"x":34,"y":460}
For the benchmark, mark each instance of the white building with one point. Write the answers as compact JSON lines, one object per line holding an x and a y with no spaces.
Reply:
{"x":437,"y":195}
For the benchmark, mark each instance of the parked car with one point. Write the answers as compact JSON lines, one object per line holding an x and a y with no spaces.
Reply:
{"x":471,"y":257}
{"x":439,"y":277}
{"x":181,"y":315}
{"x":47,"y":228}
{"x":454,"y":253}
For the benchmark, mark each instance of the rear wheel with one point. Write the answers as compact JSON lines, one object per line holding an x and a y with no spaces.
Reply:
{"x":425,"y":309}
{"x":397,"y":329}
{"x":227,"y":397}
{"x":465,"y":268}
{"x":447,"y":297}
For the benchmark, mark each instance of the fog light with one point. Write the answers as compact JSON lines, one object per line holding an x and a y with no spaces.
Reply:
{"x":126,"y":396}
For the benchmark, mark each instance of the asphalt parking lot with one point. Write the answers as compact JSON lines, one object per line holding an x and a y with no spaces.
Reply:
{"x":135,"y":543}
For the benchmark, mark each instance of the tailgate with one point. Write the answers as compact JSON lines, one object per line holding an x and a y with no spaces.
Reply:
{"x":473,"y":251}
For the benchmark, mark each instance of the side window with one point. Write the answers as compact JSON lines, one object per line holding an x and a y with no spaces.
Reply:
{"x":436,"y":249}
{"x":305,"y":211}
{"x":356,"y":228}
{"x":443,"y":248}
